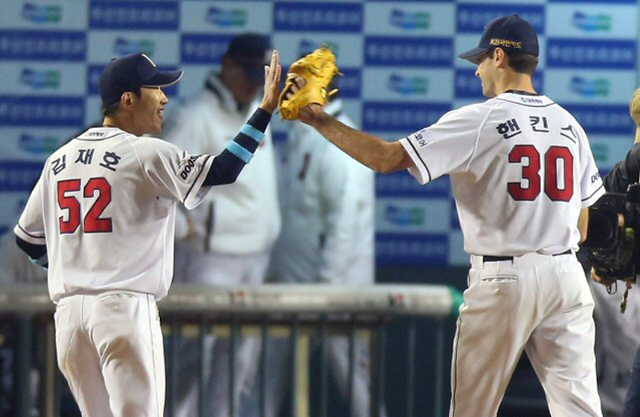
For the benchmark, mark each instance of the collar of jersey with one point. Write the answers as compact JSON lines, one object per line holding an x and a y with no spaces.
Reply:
{"x":522,"y":92}
{"x":526,"y":100}
{"x":100,"y":133}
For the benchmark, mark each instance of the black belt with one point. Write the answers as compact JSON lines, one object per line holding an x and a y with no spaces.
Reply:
{"x":487,"y":258}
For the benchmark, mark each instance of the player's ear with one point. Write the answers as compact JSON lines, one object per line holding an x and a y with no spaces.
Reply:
{"x":500,"y":56}
{"x":127,"y":99}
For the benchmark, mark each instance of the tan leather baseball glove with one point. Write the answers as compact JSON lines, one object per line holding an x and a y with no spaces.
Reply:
{"x":318,"y":69}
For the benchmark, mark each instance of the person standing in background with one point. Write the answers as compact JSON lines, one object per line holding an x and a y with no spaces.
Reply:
{"x":230,"y":237}
{"x":617,"y":340}
{"x":327,"y":201}
{"x":617,"y":334}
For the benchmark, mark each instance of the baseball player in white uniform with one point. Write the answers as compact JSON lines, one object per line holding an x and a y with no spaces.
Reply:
{"x":327,"y":237}
{"x":523,"y":175}
{"x":101,"y":217}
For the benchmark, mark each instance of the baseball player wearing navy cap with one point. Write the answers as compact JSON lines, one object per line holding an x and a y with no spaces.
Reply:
{"x":523,"y":176}
{"x":102,"y":219}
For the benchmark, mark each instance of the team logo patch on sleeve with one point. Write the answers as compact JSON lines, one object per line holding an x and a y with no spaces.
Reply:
{"x":188,"y":166}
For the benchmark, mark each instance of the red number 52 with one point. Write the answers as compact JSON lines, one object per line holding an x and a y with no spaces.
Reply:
{"x":531,"y":172}
{"x":93,"y":223}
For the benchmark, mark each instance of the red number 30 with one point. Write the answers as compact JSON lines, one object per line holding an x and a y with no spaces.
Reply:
{"x":531,"y":172}
{"x":93,"y":223}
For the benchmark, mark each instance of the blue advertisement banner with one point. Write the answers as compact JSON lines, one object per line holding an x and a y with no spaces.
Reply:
{"x":400,"y":74}
{"x":412,"y":249}
{"x":401,"y":184}
{"x":41,"y":111}
{"x":612,"y":119}
{"x":318,"y":17}
{"x":19,"y":175}
{"x":408,"y":51}
{"x":198,"y":48}
{"x":42,"y":45}
{"x":401,"y":117}
{"x":473,"y":17}
{"x":134,"y":15}
{"x":350,"y":83}
{"x":571,"y":53}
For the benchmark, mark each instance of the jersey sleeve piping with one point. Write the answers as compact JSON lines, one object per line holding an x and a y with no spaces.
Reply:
{"x":597,"y":193}
{"x":552,"y":103}
{"x":29,"y":237}
{"x":79,"y":138}
{"x":414,"y":151}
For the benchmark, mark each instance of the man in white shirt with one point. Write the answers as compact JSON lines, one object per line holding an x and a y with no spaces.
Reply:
{"x":523,"y":176}
{"x":230,"y":237}
{"x":101,"y":218}
{"x":328,"y":206}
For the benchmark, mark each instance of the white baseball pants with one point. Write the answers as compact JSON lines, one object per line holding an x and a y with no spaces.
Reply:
{"x":109,"y":348}
{"x":537,"y":303}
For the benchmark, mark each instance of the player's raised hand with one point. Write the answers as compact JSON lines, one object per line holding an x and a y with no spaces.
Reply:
{"x":271,"y":83}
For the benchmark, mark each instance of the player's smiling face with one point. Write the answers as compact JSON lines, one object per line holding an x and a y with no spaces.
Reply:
{"x":149,"y":110}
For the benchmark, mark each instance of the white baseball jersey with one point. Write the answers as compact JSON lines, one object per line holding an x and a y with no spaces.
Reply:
{"x":105,"y":207}
{"x":521,"y":168}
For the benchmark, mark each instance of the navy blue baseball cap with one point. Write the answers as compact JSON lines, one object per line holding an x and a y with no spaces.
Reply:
{"x":131,"y":72}
{"x":511,"y":33}
{"x":252,"y":51}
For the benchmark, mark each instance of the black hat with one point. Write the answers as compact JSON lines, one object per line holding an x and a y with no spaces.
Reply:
{"x":511,"y":33}
{"x":129,"y":73}
{"x":252,"y":51}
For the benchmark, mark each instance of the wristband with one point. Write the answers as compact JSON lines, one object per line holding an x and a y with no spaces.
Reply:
{"x":239,"y":151}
